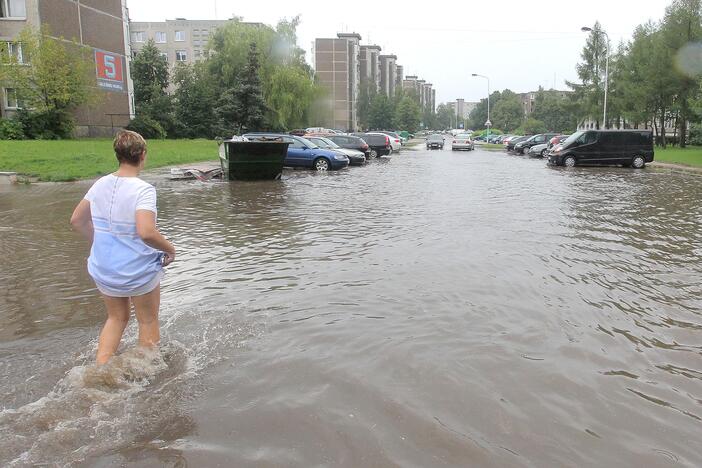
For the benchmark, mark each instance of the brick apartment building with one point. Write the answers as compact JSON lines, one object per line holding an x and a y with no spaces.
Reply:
{"x":102,"y":26}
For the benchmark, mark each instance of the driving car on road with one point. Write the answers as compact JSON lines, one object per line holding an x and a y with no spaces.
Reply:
{"x":435,"y":141}
{"x":462,"y":141}
{"x":304,"y":153}
{"x":631,"y":148}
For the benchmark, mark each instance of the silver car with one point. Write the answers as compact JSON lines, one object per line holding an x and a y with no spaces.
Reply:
{"x":462,"y":141}
{"x":538,"y":151}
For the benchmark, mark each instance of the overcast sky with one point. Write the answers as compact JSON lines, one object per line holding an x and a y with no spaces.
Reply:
{"x":519,"y":44}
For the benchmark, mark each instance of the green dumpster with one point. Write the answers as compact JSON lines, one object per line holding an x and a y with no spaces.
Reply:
{"x":252,"y":160}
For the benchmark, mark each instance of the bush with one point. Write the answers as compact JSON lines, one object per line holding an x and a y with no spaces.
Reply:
{"x":531,"y":126}
{"x":11,"y":130}
{"x":47,"y":125}
{"x":695,"y":137}
{"x":147,"y":127}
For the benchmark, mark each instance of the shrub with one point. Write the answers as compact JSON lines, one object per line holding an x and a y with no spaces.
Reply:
{"x":147,"y":127}
{"x":46,"y":125}
{"x":11,"y":130}
{"x":695,"y":137}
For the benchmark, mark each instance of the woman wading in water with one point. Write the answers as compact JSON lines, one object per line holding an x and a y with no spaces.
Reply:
{"x":128,"y":253}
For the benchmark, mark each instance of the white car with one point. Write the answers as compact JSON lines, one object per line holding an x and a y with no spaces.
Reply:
{"x":395,"y":141}
{"x":462,"y":141}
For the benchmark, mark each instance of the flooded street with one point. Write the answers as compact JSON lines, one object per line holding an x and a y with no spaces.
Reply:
{"x":430,"y":309}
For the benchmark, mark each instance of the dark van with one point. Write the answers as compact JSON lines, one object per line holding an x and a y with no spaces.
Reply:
{"x":631,"y":148}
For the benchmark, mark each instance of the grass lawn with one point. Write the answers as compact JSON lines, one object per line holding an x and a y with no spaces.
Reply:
{"x":491,"y":146}
{"x":80,"y":159}
{"x":690,"y":156}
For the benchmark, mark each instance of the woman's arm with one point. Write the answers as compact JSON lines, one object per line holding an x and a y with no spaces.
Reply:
{"x":82,"y":221}
{"x":147,"y":231}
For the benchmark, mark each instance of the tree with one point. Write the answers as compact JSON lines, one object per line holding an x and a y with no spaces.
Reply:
{"x":291,"y":93}
{"x":243,"y":108}
{"x":532,"y":126}
{"x":558,"y":113}
{"x":52,"y":79}
{"x":590,"y":91}
{"x":508,"y":112}
{"x":444,"y":116}
{"x":194,"y":99}
{"x":408,"y":114}
{"x":381,"y":113}
{"x":150,"y":74}
{"x":366,"y":93}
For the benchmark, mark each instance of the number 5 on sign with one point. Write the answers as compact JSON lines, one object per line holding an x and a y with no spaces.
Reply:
{"x":109,"y":66}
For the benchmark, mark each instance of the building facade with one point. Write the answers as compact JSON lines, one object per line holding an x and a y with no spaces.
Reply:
{"x":338,"y":70}
{"x":101,"y":26}
{"x":370,"y":66}
{"x":388,"y":74}
{"x":179,"y":40}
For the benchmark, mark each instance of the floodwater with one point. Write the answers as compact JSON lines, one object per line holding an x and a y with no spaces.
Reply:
{"x":431,"y":309}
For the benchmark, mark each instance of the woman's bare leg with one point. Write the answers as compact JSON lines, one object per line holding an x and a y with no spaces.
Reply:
{"x":111,"y":334}
{"x":147,"y":315}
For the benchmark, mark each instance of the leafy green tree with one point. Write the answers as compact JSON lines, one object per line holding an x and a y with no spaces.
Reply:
{"x":479,"y":114}
{"x":508,"y":112}
{"x":366,"y":94}
{"x":408,"y":115}
{"x":53,"y":79}
{"x":150,"y":75}
{"x":194,"y":99}
{"x":444,"y":116}
{"x":243,"y":107}
{"x":591,"y":71}
{"x":291,"y":93}
{"x":558,"y":113}
{"x":681,"y":27}
{"x":382,"y":113}
{"x":532,"y":126}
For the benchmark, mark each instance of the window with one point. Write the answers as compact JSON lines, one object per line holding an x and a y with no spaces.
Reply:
{"x":180,"y":36}
{"x":181,"y":56}
{"x":294,"y":143}
{"x":164,"y":55}
{"x":14,"y":50}
{"x":160,"y":37}
{"x":138,"y":36}
{"x":11,"y":100}
{"x":13,"y":9}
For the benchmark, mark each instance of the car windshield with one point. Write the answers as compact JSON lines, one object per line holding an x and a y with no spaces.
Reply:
{"x":308,"y":143}
{"x":572,"y":138}
{"x":435,"y":138}
{"x":329,"y":143}
{"x":463,"y":136}
{"x":320,"y":142}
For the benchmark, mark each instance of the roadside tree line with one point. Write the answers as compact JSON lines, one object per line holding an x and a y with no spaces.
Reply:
{"x":655,"y":80}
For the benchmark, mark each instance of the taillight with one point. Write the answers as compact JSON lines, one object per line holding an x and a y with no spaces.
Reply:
{"x":387,"y":141}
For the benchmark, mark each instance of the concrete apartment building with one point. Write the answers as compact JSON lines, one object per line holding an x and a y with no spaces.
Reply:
{"x":101,"y":26}
{"x":426,"y":95}
{"x":388,"y":74}
{"x":370,"y":65}
{"x":179,"y":40}
{"x":399,"y":76}
{"x":338,"y":69}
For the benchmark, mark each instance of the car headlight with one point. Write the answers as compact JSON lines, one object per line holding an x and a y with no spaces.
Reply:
{"x":340,"y":157}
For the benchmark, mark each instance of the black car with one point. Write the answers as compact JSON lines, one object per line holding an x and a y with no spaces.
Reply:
{"x":435,"y":141}
{"x":356,"y":158}
{"x":379,"y":144}
{"x":522,"y":147}
{"x":511,"y":143}
{"x":351,"y":142}
{"x":631,"y":148}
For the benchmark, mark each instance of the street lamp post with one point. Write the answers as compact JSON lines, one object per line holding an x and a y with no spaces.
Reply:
{"x":604,"y":114}
{"x":488,"y":123}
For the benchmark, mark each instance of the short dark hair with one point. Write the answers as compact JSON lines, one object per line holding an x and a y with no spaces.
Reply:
{"x":129,"y":147}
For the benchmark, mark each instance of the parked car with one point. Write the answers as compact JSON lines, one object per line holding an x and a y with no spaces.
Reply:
{"x":395,"y":140}
{"x":513,"y":141}
{"x":405,"y":135}
{"x":356,"y":158}
{"x":304,"y":153}
{"x":435,"y":141}
{"x":523,"y":146}
{"x":351,"y":142}
{"x":463,"y":141}
{"x":631,"y":148}
{"x":538,"y":151}
{"x":493,"y":138}
{"x":379,"y":143}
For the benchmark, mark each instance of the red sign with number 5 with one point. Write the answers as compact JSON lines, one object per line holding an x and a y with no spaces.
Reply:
{"x":109,"y":66}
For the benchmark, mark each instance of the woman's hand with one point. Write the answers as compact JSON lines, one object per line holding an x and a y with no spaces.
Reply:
{"x":169,"y":257}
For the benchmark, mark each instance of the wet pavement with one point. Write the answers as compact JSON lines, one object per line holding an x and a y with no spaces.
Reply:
{"x":436,"y":308}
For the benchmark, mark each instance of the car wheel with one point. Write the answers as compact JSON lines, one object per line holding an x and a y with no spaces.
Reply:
{"x":543,"y":152}
{"x":638,"y":162}
{"x":373,"y":154}
{"x":389,"y":151}
{"x":569,"y":161}
{"x":321,"y":164}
